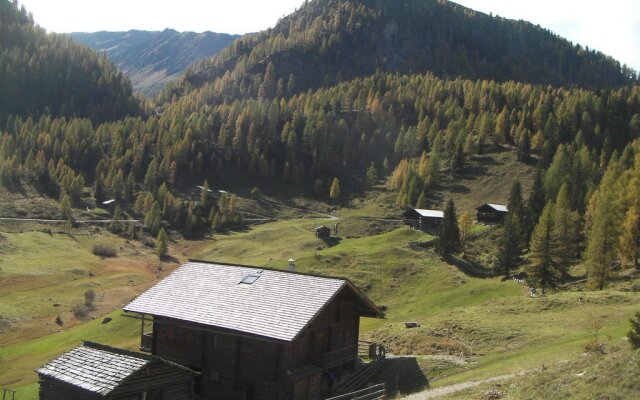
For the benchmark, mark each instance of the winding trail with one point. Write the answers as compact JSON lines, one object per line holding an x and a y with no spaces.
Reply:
{"x":458,"y":387}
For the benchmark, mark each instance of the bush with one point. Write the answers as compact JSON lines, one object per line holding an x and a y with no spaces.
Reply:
{"x":80,"y":310}
{"x":89,"y":297}
{"x":634,"y":333}
{"x":104,"y":250}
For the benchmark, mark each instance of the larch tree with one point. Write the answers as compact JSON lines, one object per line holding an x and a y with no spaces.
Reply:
{"x":602,"y":237}
{"x":544,"y":269}
{"x":566,"y":225}
{"x":629,"y":246}
{"x":162,"y":243}
{"x":334,"y":192}
{"x":465,"y":222}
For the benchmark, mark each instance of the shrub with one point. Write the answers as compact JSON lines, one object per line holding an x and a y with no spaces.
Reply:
{"x":104,"y":250}
{"x":80,"y":310}
{"x":634,"y":333}
{"x":89,"y":297}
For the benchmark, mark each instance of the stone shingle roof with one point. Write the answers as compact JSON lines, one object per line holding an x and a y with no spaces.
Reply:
{"x":430,"y":213}
{"x":272,"y":304}
{"x":96,"y":368}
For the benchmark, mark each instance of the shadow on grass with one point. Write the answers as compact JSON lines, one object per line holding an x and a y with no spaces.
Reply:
{"x":402,"y":375}
{"x":331,"y":241}
{"x":469,"y":267}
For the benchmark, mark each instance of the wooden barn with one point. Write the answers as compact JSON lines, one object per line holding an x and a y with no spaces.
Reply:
{"x":423,"y":219}
{"x":491,"y":213}
{"x":323,"y":232}
{"x":93,"y":371}
{"x":256,"y":333}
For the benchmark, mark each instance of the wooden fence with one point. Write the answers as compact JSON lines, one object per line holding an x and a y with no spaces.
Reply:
{"x":375,"y":392}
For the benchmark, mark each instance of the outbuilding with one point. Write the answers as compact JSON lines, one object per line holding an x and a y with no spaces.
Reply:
{"x":323,"y":232}
{"x":491,"y":213}
{"x":93,"y":371}
{"x":423,"y":219}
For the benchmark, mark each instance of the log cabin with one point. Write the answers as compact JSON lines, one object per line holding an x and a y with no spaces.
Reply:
{"x":423,"y":219}
{"x":323,"y":232}
{"x":491,"y":213}
{"x":94,"y":371}
{"x":255,"y":333}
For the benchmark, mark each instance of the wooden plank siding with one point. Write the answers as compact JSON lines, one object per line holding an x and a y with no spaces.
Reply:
{"x":238,"y":366}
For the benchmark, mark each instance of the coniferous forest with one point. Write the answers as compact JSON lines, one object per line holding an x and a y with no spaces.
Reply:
{"x":342,"y":89}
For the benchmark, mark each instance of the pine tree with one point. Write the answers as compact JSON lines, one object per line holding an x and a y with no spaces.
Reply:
{"x":523,"y":151}
{"x":422,"y":200}
{"x":458,"y":161}
{"x":216,"y":222}
{"x":634,"y":333}
{"x":334,"y":193}
{"x":115,"y":221}
{"x":372,"y":174}
{"x":510,"y":249}
{"x":65,"y":207}
{"x":152,"y":218}
{"x":544,"y":270}
{"x":535,"y":203}
{"x":566,"y":225}
{"x":162,"y":244}
{"x":448,"y":232}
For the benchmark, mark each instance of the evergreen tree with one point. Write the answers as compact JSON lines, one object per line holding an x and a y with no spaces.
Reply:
{"x":152,"y":218}
{"x":535,"y":203}
{"x":544,"y":270}
{"x":510,"y":249}
{"x":204,"y":195}
{"x":422,"y":201}
{"x":458,"y":161}
{"x":634,"y":333}
{"x":448,"y":232}
{"x":162,"y":244}
{"x":65,"y":207}
{"x":115,"y":221}
{"x":334,"y":193}
{"x":566,"y":225}
{"x":372,"y":174}
{"x":523,"y":152}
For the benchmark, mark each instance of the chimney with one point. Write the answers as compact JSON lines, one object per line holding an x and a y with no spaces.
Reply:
{"x":292,"y":265}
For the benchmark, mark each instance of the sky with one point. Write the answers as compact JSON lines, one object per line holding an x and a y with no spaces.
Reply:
{"x":611,"y":26}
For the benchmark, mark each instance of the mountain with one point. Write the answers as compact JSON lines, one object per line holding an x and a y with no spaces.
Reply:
{"x":329,"y":41}
{"x":153,"y":59}
{"x":51,"y":74}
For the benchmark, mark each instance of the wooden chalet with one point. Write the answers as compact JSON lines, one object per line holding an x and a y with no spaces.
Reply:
{"x":255,"y":333}
{"x":323,"y":232}
{"x":491,"y":213}
{"x":423,"y":219}
{"x":93,"y":371}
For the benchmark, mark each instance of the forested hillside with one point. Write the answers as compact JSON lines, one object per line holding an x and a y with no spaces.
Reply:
{"x":417,"y":128}
{"x":153,"y":59}
{"x":329,"y":41}
{"x":44,"y":73}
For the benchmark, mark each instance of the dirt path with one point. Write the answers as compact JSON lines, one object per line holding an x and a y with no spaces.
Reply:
{"x":458,"y":387}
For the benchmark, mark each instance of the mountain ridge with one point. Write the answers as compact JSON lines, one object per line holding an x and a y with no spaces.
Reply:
{"x":152,"y":59}
{"x":326,"y":42}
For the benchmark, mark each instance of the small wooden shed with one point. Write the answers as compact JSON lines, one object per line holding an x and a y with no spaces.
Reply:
{"x":422,"y":219}
{"x":491,"y":213}
{"x":323,"y":232}
{"x":94,"y":371}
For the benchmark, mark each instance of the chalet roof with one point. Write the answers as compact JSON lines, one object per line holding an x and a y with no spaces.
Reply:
{"x":321,"y":227}
{"x":430,"y":213}
{"x":252,"y":300}
{"x":497,"y":207}
{"x":97,"y":368}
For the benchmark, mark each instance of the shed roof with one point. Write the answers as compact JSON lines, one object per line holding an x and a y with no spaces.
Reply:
{"x":497,"y":207}
{"x":252,"y":300}
{"x":430,"y":213}
{"x":97,"y":368}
